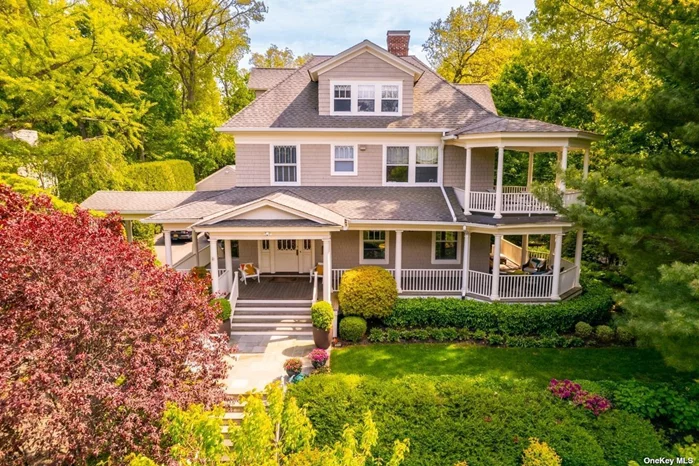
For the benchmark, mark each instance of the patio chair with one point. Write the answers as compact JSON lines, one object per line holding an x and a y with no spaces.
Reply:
{"x":318,"y":268}
{"x":535,"y":266}
{"x":248,"y":270}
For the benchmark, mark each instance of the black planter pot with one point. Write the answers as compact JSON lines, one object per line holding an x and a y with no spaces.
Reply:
{"x":321,"y":338}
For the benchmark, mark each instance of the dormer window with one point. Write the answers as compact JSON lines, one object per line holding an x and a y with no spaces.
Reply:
{"x":366,"y":98}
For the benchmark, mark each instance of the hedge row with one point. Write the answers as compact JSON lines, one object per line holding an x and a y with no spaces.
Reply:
{"x":165,"y":175}
{"x":592,"y":306}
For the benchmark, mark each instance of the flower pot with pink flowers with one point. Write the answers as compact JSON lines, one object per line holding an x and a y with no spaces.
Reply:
{"x":319,"y":357}
{"x":293,"y":366}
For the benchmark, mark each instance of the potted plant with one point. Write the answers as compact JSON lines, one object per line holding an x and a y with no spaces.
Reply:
{"x":293,"y":366}
{"x":224,"y":315}
{"x":322,"y":316}
{"x":318,"y":357}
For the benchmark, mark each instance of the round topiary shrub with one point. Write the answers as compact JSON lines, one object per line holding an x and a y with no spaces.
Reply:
{"x":604,"y":334}
{"x":624,"y":335}
{"x":322,"y":315}
{"x":352,"y":328}
{"x":368,"y":291}
{"x":583,"y":330}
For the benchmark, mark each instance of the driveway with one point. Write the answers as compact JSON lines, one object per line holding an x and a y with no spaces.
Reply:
{"x":179,"y":248}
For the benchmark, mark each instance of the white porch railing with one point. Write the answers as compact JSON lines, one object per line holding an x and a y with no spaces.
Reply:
{"x":567,"y":279}
{"x":525,"y":286}
{"x":235,"y":292}
{"x":571,"y":197}
{"x":480,"y":283}
{"x":428,"y":280}
{"x":315,"y":288}
{"x":189,"y":261}
{"x":513,"y":189}
{"x":515,"y":200}
{"x":224,"y":280}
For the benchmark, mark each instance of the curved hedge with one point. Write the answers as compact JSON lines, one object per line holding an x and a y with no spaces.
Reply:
{"x":367,"y":291}
{"x":164,"y":175}
{"x":592,"y":306}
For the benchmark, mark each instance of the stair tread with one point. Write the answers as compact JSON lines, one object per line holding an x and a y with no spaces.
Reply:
{"x":236,"y":317}
{"x":272,"y":332}
{"x":270,"y":324}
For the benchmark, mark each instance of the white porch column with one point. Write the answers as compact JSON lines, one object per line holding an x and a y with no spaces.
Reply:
{"x":563,"y":166}
{"x":586,"y":163}
{"x":227,"y":250}
{"x":467,"y":183}
{"x":128,"y":225}
{"x":498,"y":183}
{"x":195,"y":245}
{"x":399,"y":260}
{"x":530,"y":171}
{"x":557,"y":265}
{"x":213,"y":248}
{"x":327,"y":269}
{"x":525,"y":251}
{"x":466,"y":252}
{"x":168,"y":247}
{"x":495,"y":294}
{"x":578,"y":255}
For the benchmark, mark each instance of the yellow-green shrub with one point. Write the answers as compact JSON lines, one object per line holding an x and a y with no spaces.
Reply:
{"x":164,"y":175}
{"x":368,"y":291}
{"x":322,"y":315}
{"x":540,"y":454}
{"x":352,"y":328}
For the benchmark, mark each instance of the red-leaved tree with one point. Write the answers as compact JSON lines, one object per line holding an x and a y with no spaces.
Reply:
{"x":94,"y":338}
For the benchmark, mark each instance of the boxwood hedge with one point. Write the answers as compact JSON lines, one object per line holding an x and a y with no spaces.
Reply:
{"x":593,"y":306}
{"x":164,"y":175}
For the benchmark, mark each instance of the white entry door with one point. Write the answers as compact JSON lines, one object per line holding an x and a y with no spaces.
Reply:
{"x":286,"y":258}
{"x":305,"y":255}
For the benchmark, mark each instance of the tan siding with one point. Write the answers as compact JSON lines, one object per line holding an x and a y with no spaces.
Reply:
{"x":482,"y":169}
{"x":369,"y":68}
{"x":222,"y":179}
{"x":345,"y":249}
{"x":248,"y":253}
{"x":480,"y":252}
{"x":417,"y":251}
{"x":454,"y":166}
{"x":252,"y":164}
{"x":316,"y":162}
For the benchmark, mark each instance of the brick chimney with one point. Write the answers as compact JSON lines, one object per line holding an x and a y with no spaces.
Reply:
{"x":398,"y":42}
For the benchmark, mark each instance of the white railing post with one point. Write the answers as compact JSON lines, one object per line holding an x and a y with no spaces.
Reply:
{"x":327,"y":269}
{"x":495,"y":293}
{"x":466,"y":250}
{"x":498,"y":182}
{"x":233,"y":298}
{"x":563,"y":167}
{"x":467,"y":183}
{"x":399,"y":260}
{"x":315,"y":287}
{"x":578,"y":255}
{"x":530,"y":171}
{"x":524,"y":257}
{"x":213,"y":255}
{"x":558,"y":247}
{"x":168,"y":247}
{"x":228,"y":259}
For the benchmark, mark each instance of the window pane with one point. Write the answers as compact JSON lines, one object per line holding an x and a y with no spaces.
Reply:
{"x":374,"y":245}
{"x":343,"y":91}
{"x":397,"y":173}
{"x":445,"y":250}
{"x":389,"y":106}
{"x":342,"y":105}
{"x":341,"y":166}
{"x":285,"y":174}
{"x":397,"y":155}
{"x":389,"y":91}
{"x":427,"y":156}
{"x":378,"y":235}
{"x":344,"y":152}
{"x":284,"y":154}
{"x":426,"y":174}
{"x":365,"y":92}
{"x":365,"y":105}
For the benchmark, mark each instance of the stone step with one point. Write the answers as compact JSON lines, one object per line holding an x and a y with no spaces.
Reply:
{"x":234,"y":417}
{"x":273,"y":302}
{"x":251,"y":310}
{"x":270,"y":318}
{"x":262,"y":332}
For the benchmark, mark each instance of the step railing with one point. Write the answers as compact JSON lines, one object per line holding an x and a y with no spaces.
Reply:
{"x":235,"y":292}
{"x":315,"y":288}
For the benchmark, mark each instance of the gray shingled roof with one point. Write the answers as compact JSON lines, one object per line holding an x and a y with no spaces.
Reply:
{"x":294,"y":104}
{"x":141,"y":201}
{"x":425,"y":204}
{"x":496,"y":124}
{"x":266,"y":78}
{"x":480,"y":93}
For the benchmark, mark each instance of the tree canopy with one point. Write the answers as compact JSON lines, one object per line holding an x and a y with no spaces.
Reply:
{"x":275,"y":57}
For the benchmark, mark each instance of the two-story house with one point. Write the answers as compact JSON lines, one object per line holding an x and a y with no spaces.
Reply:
{"x":370,"y":157}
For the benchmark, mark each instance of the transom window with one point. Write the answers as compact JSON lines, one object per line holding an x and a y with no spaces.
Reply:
{"x":397,"y":164}
{"x":366,"y":98}
{"x":445,"y":247}
{"x":285,"y":165}
{"x":411,"y":164}
{"x":286,"y":244}
{"x":344,"y":160}
{"x":426,"y":164}
{"x":374,"y":247}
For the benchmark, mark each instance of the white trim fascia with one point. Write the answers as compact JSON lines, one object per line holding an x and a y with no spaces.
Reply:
{"x":459,"y":240}
{"x":170,"y":220}
{"x":261,"y":129}
{"x":402,"y":225}
{"x":355,"y":160}
{"x":446,"y":199}
{"x":526,"y":135}
{"x":354,"y":97}
{"x":385,"y":261}
{"x":358,"y":49}
{"x":256,"y":204}
{"x":298,"y":166}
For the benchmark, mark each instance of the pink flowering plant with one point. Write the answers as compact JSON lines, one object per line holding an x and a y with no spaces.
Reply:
{"x":568,"y":390}
{"x":318,"y":357}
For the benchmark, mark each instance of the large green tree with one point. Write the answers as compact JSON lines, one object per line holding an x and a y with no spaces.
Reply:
{"x":274,"y":57}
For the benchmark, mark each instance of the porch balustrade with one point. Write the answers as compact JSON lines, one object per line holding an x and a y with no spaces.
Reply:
{"x":515,"y":200}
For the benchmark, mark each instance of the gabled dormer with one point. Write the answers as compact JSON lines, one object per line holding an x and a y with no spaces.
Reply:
{"x":367,"y":80}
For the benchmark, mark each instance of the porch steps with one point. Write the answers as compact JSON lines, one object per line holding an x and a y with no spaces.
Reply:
{"x":270,"y":317}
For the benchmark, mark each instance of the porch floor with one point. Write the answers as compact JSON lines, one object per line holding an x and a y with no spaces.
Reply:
{"x":272,"y":287}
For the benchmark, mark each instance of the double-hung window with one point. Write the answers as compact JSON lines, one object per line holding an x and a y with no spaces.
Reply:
{"x":342,"y":101}
{"x":389,"y":98}
{"x":397,"y":164}
{"x":426,"y":164}
{"x":344,"y":160}
{"x":285,"y":165}
{"x":373,"y":247}
{"x":445,"y":247}
{"x":365,"y":98}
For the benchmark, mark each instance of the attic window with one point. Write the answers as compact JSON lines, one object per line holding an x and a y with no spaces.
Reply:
{"x":343,"y":98}
{"x":389,"y":98}
{"x":365,"y":98}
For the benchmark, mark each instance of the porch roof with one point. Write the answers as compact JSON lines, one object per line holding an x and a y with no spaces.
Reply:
{"x":262,"y":223}
{"x":142,"y":202}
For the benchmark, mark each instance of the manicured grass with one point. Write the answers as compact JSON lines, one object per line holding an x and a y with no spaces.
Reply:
{"x":537,"y":364}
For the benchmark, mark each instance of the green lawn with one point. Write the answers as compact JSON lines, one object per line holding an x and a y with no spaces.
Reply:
{"x":538,"y":364}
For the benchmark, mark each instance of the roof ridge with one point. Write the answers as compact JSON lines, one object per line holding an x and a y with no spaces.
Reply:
{"x":275,"y":68}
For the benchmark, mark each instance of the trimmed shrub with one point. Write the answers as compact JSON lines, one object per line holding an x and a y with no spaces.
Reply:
{"x":225,"y":306}
{"x":583,"y":330}
{"x":352,"y":328}
{"x":604,"y":334}
{"x":164,"y":175}
{"x":624,"y":335}
{"x":512,"y":319}
{"x":368,"y":291}
{"x":322,"y":315}
{"x":540,"y":454}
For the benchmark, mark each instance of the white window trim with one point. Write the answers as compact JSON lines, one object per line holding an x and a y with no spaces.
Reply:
{"x":363,"y":261}
{"x":271,"y":165}
{"x":354,"y":85}
{"x":412,"y":164}
{"x":459,"y":242}
{"x":332,"y":160}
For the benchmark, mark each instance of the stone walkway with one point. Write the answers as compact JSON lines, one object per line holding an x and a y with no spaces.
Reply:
{"x":261,"y":359}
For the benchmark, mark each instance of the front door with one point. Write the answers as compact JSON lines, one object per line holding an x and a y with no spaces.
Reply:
{"x":286,"y":257}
